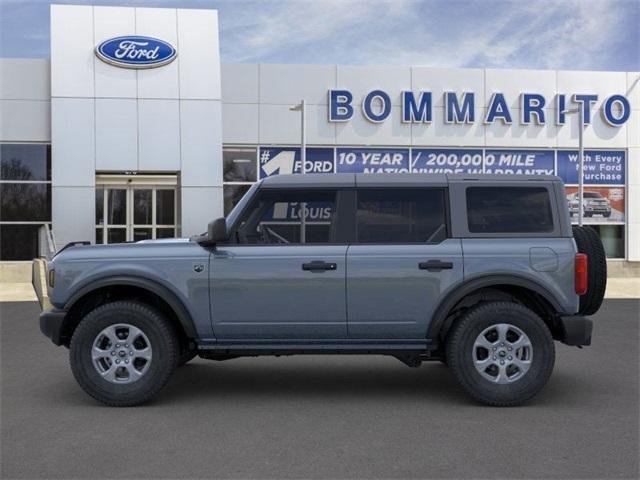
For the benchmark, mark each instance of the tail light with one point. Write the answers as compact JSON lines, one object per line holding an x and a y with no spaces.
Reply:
{"x":582,"y":282}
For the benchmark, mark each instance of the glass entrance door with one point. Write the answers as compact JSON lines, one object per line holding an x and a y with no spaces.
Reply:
{"x":135,"y":212}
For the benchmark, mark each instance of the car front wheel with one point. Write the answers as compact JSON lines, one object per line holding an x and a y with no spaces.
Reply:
{"x":502,"y":353}
{"x":123,"y":353}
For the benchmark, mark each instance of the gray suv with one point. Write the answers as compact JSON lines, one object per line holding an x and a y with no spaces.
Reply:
{"x":482,"y":273}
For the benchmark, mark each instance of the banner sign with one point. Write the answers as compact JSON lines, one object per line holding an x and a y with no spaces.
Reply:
{"x":440,"y":160}
{"x":285,"y":160}
{"x":600,"y":167}
{"x":600,"y":204}
{"x":519,"y":162}
{"x":372,"y":160}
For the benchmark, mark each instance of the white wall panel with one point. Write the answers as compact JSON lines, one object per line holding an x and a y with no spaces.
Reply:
{"x":597,"y":135}
{"x":361,"y":80}
{"x":440,"y":80}
{"x":439,"y":133}
{"x":116,"y":134}
{"x":514,"y":82}
{"x":633,"y":204}
{"x":25,"y":121}
{"x":603,"y":84}
{"x":73,"y":146}
{"x":633,"y":89}
{"x":633,"y":168}
{"x":360,"y":131}
{"x":200,"y":205}
{"x":288,"y":84}
{"x":24,"y":79}
{"x":519,"y":135}
{"x":199,"y":55}
{"x":201,"y":142}
{"x":158,"y":135}
{"x":111,"y":81}
{"x":319,"y":130}
{"x":160,"y":23}
{"x":278,"y":124}
{"x":73,"y":214}
{"x":240,"y":123}
{"x":240,"y":83}
{"x":72,"y":55}
{"x":633,"y":129}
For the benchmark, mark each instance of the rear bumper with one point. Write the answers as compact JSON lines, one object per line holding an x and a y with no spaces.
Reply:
{"x":575,"y":330}
{"x":51,"y":322}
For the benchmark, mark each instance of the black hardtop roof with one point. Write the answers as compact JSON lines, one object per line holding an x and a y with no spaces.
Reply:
{"x":391,"y":179}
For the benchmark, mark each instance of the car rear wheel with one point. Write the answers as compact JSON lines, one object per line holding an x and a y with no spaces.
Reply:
{"x":589,"y":243}
{"x":502,"y":353}
{"x":123,"y":353}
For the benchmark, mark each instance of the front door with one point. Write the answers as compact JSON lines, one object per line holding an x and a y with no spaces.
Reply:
{"x":401,"y":264}
{"x":135,"y":210}
{"x":282,"y":277}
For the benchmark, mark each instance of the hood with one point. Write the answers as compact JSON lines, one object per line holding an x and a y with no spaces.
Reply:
{"x":123,"y":251}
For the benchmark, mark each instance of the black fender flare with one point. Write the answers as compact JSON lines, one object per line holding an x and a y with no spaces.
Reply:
{"x":458,"y":293}
{"x":183,"y":315}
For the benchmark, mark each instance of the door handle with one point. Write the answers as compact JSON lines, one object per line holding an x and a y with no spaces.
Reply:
{"x":435,"y":265}
{"x":318,"y":266}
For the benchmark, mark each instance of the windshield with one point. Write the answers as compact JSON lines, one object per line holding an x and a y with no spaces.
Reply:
{"x":592,"y":195}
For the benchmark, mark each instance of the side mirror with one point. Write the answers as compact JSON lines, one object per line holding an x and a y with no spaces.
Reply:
{"x":217,"y":231}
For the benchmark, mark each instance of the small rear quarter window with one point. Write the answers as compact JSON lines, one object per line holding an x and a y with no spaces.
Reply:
{"x":509,"y":210}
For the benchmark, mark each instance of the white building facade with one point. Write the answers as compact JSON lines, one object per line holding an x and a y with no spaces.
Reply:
{"x":106,"y":153}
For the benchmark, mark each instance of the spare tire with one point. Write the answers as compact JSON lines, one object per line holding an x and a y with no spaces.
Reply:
{"x":589,"y":243}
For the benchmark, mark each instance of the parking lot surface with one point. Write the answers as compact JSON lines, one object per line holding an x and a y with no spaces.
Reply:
{"x":322,"y":417}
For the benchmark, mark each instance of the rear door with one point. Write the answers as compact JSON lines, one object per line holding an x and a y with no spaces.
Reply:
{"x":401,"y":262}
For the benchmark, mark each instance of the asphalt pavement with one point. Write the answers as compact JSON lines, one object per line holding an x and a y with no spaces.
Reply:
{"x":322,"y":416}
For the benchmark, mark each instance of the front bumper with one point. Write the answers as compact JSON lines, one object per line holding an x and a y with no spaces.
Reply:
{"x":51,"y":323}
{"x":575,"y":330}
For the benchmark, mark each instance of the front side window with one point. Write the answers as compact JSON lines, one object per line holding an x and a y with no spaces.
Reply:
{"x":401,"y":215}
{"x":509,"y":210}
{"x":288,"y":217}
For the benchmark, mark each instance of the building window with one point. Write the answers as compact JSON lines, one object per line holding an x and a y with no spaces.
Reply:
{"x":240,"y":167}
{"x":25,"y":198}
{"x":612,"y":237}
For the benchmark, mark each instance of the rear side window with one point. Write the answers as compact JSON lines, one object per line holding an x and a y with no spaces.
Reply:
{"x":401,"y":215}
{"x":509,"y":210}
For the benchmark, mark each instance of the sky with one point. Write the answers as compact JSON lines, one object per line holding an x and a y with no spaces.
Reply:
{"x":534,"y":34}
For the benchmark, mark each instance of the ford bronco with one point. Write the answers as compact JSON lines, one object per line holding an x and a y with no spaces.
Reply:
{"x":480,"y":272}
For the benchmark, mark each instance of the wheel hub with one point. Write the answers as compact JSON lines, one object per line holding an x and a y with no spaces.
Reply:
{"x":121,"y":353}
{"x":502,"y":353}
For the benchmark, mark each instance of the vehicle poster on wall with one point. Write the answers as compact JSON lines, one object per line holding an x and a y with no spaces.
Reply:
{"x":601,"y":204}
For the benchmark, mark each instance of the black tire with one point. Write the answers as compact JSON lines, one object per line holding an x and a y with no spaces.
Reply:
{"x":589,"y":243}
{"x":186,"y":356}
{"x":607,"y":214}
{"x":460,"y":353}
{"x":162,"y":340}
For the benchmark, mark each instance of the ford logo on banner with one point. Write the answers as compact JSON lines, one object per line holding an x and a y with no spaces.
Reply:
{"x":134,"y":51}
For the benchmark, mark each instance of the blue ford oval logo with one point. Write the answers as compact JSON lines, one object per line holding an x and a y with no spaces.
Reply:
{"x":134,"y":51}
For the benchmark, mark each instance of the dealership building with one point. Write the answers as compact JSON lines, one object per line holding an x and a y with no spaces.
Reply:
{"x":96,"y":145}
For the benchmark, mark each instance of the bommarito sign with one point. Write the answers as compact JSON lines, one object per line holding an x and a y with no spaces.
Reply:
{"x":460,"y":108}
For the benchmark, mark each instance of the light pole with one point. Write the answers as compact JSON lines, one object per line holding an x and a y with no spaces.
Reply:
{"x":303,"y":133}
{"x":303,"y":158}
{"x":580,"y":111}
